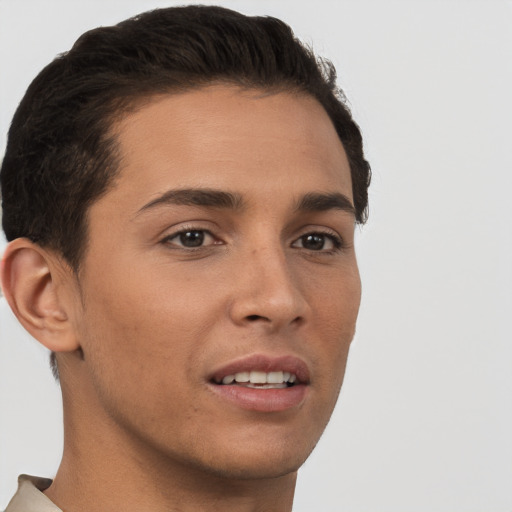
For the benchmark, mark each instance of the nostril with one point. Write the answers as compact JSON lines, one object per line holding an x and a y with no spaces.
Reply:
{"x":253,"y":318}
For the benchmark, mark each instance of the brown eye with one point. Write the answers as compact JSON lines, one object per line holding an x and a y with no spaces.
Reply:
{"x":191,"y":238}
{"x":313,"y":242}
{"x":318,"y":242}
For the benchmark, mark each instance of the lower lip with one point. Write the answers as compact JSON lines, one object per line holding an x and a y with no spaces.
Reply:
{"x":262,"y":400}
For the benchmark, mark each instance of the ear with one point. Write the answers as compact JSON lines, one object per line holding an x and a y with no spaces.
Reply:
{"x":33,"y":282}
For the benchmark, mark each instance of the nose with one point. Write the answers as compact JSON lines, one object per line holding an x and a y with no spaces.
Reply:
{"x":268,"y":292}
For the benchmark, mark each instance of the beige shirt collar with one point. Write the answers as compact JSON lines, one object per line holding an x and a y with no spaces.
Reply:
{"x":29,"y":496}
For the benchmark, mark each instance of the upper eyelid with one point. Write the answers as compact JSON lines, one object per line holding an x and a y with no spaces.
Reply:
{"x":184,"y":230}
{"x":175,"y":230}
{"x":322,"y":230}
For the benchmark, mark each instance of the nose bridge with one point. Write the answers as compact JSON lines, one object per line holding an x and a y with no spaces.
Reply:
{"x":268,"y":288}
{"x":273,"y":273}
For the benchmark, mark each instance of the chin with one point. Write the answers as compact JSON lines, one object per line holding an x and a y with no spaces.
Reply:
{"x":257,"y":470}
{"x":261,"y":461}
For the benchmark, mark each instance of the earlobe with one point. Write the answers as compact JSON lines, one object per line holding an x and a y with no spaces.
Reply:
{"x":29,"y":283}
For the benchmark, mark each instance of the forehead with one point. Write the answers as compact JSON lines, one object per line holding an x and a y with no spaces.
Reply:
{"x":230,"y":138}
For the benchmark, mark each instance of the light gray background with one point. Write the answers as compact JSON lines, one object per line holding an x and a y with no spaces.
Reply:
{"x":424,"y":422}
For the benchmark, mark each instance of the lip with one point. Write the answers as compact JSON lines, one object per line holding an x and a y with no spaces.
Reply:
{"x":263,"y":400}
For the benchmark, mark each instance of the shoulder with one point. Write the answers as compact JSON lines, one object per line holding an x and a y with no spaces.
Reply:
{"x":30,"y":498}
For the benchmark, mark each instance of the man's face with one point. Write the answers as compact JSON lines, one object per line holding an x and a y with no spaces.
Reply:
{"x":224,"y":251}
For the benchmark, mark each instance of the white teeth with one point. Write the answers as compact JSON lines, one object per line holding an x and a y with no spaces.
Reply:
{"x":242,"y":377}
{"x":275,"y":377}
{"x":259,"y":377}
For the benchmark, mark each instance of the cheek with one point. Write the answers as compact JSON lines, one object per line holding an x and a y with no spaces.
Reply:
{"x":138,"y":350}
{"x":334,"y":322}
{"x":335,"y":302}
{"x":150,"y":324}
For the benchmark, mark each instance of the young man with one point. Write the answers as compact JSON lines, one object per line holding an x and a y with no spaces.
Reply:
{"x":180,"y":193}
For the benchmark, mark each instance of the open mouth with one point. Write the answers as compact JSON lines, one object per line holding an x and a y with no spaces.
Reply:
{"x":256,"y":379}
{"x":263,"y":383}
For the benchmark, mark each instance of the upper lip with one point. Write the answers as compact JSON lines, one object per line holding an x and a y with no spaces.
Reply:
{"x":264,"y":363}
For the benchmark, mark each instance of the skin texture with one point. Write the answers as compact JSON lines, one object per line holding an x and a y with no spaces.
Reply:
{"x":148,"y":321}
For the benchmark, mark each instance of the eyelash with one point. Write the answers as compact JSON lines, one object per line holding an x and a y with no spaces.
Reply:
{"x":335,"y":239}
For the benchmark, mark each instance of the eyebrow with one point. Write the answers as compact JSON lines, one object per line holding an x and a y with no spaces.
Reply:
{"x":320,"y":202}
{"x":205,"y":197}
{"x":197,"y":197}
